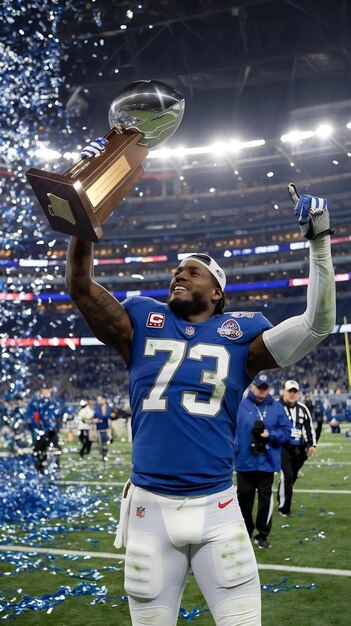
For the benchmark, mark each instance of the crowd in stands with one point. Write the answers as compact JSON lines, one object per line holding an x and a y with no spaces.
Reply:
{"x":88,"y":370}
{"x":80,"y":376}
{"x":238,"y":215}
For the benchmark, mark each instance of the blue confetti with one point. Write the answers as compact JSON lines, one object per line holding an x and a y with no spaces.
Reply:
{"x":189,"y":616}
{"x":32,"y":118}
{"x":48,"y":601}
{"x":282,"y":586}
{"x":27,"y":496}
{"x":29,"y":562}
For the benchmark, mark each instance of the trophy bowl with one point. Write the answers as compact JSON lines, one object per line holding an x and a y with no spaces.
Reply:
{"x":149,"y":107}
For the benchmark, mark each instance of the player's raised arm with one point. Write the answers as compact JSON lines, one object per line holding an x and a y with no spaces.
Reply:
{"x":104,"y":315}
{"x":292,"y":339}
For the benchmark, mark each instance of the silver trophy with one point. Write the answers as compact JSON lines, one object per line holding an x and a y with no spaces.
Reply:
{"x":78,"y":202}
{"x":149,"y":107}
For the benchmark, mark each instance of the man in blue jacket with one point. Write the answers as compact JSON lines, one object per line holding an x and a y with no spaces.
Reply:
{"x":261,"y":430}
{"x":45,"y":416}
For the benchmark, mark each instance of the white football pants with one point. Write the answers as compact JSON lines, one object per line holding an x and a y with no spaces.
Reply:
{"x":166,"y":536}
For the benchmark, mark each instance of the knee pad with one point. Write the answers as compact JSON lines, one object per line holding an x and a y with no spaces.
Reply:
{"x":146,"y":615}
{"x":143,"y":574}
{"x":242,"y":610}
{"x":234,"y":558}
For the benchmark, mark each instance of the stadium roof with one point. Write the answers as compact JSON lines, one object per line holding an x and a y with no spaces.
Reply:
{"x":246,"y":65}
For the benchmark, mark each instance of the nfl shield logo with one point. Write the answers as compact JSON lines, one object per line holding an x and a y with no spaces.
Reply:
{"x":190,"y":330}
{"x":140,"y":512}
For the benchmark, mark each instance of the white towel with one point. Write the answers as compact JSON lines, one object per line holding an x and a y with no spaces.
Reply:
{"x":121,"y":535}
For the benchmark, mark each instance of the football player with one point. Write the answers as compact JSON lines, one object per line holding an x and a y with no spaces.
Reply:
{"x":189,"y":364}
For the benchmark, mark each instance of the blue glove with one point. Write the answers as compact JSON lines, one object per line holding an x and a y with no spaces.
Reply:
{"x":94,"y":148}
{"x":312,"y":214}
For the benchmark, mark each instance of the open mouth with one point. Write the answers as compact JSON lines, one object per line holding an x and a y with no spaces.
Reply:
{"x":179,"y":288}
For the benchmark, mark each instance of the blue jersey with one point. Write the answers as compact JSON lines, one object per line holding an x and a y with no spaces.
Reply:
{"x":104,"y":422}
{"x":45,"y":413}
{"x":185,"y":384}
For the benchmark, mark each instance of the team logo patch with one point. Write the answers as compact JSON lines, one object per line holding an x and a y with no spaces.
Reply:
{"x":140,"y":511}
{"x":190,"y":330}
{"x":155,"y":320}
{"x":230,"y":329}
{"x":242,"y":314}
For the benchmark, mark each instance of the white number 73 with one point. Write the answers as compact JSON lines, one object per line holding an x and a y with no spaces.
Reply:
{"x":156,"y":401}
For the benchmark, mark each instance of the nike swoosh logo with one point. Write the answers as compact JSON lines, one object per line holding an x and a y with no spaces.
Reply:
{"x":221,"y":505}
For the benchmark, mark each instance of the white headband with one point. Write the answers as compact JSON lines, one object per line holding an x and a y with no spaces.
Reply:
{"x":211,"y":265}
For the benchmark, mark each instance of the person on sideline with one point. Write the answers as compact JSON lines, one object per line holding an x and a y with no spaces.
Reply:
{"x":318,"y":417}
{"x":189,"y":364}
{"x":103,"y":413}
{"x":84,"y":417}
{"x":45,"y":418}
{"x":262,"y":427}
{"x":302,"y":444}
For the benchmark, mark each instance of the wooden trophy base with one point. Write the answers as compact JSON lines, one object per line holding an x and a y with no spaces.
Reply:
{"x":79,"y":201}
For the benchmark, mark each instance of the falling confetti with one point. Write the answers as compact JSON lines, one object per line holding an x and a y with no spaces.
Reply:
{"x":31,"y":116}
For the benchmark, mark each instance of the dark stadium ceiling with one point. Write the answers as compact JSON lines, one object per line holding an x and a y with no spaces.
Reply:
{"x":242,"y":65}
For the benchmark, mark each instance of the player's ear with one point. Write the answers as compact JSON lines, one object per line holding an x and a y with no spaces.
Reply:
{"x":218,"y":293}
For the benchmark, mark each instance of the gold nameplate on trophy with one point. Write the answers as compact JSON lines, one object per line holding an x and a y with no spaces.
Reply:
{"x":99,"y":190}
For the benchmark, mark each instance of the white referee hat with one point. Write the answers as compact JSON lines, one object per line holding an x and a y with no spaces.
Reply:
{"x":291,"y":384}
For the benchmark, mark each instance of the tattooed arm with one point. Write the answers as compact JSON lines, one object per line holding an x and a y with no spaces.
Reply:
{"x":105,"y":316}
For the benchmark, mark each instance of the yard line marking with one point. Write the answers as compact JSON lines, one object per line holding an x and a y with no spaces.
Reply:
{"x":89,"y":482}
{"x":337,"y":491}
{"x":305,"y":570}
{"x":97,"y":555}
{"x":121,"y":557}
{"x":318,"y":463}
{"x":329,"y":445}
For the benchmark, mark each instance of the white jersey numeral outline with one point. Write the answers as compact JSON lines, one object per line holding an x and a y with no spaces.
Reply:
{"x":156,"y":401}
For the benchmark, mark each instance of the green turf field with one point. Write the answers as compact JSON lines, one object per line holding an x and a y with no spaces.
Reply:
{"x":65,"y":571}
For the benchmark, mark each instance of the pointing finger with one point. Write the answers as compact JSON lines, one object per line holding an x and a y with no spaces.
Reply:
{"x":293,"y":193}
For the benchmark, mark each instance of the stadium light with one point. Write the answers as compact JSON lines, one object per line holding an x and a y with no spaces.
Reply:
{"x":47,"y":154}
{"x":254,"y":143}
{"x":296,"y":136}
{"x":220,"y":148}
{"x":163,"y":153}
{"x":324,"y":131}
{"x":235,"y":145}
{"x":179,"y":152}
